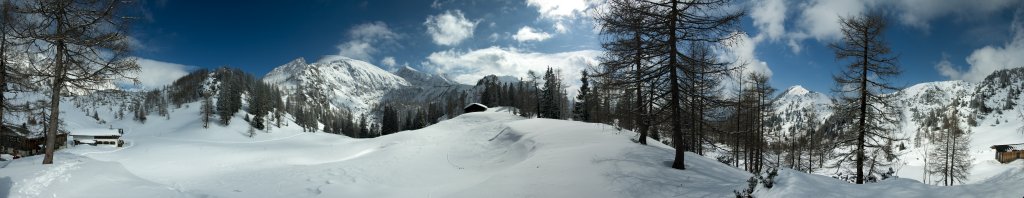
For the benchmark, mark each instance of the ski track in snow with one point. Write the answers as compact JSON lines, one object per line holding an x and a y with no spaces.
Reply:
{"x":52,"y":173}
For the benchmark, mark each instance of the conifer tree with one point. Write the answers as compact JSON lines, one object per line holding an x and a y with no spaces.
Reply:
{"x":861,"y":87}
{"x":582,"y":107}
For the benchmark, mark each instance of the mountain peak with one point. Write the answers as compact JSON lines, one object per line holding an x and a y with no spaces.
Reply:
{"x":409,"y":68}
{"x":298,"y":61}
{"x":796,"y":90}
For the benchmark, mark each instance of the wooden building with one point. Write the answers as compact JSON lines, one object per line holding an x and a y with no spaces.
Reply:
{"x":475,"y":107}
{"x":1009,"y":152}
{"x":98,"y":136}
{"x":19,"y":141}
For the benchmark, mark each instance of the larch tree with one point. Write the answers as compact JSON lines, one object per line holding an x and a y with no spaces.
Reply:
{"x":862,"y":87}
{"x":625,"y":63}
{"x":680,"y":23}
{"x":207,"y":111}
{"x":950,"y":157}
{"x":86,"y":44}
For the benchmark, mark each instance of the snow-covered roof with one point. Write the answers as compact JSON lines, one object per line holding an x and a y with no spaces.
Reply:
{"x":95,"y":132}
{"x":472,"y":104}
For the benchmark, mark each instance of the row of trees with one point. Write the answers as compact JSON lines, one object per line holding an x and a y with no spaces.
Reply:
{"x":660,"y":66}
{"x":662,"y":49}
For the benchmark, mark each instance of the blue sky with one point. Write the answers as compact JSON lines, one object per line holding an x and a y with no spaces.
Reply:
{"x":466,"y":39}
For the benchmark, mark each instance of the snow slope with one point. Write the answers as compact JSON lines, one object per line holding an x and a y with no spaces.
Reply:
{"x":486,"y":154}
{"x":489,"y":154}
{"x":791,"y":183}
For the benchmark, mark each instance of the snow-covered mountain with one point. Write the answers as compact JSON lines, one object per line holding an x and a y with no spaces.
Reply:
{"x":345,"y":83}
{"x":991,"y":108}
{"x":418,"y":78}
{"x":425,"y":88}
{"x":796,"y":106}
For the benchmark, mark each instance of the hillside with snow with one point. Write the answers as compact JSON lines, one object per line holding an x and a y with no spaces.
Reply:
{"x":343,"y":83}
{"x":488,"y":154}
{"x":492,"y":154}
{"x":988,"y":108}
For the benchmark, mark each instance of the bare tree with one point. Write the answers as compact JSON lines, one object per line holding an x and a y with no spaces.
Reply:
{"x":674,"y":25}
{"x":88,"y":44}
{"x":861,"y":88}
{"x":626,"y":60}
{"x":950,"y":157}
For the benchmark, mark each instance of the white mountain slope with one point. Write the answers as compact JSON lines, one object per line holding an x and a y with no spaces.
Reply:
{"x":346,"y":83}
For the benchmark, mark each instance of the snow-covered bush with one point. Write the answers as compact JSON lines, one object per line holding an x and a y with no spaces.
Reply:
{"x":747,"y":193}
{"x":769,"y":181}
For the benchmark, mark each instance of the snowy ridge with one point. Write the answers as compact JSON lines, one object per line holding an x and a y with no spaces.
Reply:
{"x":794,"y":106}
{"x":347,"y":83}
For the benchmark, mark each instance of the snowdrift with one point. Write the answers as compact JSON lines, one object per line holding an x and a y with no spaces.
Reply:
{"x":485,"y":154}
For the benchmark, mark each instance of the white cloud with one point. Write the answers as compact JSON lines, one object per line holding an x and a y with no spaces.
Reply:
{"x":154,"y":74}
{"x":990,"y":58}
{"x":388,"y":61}
{"x":468,"y":67}
{"x":559,"y":9}
{"x":494,"y":37}
{"x":449,"y":28}
{"x":364,"y":41}
{"x":819,"y":19}
{"x":947,"y":68}
{"x":742,"y":50}
{"x":769,"y":17}
{"x":529,"y":34}
{"x":919,"y":12}
{"x":560,"y":28}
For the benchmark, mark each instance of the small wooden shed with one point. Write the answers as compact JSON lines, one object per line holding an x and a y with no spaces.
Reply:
{"x":475,"y":107}
{"x":1008,"y":152}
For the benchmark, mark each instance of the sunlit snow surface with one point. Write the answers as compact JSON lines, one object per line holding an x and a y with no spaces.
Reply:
{"x":488,"y":154}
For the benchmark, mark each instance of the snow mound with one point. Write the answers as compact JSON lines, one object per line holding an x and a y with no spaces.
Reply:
{"x":792,"y":183}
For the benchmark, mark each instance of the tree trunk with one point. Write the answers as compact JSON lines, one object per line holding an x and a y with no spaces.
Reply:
{"x":863,"y":115}
{"x":639,"y":92}
{"x":677,"y":133}
{"x":55,"y":90}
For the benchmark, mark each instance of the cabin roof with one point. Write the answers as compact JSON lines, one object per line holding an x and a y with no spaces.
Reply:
{"x":475,"y":104}
{"x":95,"y":132}
{"x":1008,"y":147}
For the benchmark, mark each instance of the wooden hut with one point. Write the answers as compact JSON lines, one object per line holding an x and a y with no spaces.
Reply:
{"x":19,"y":141}
{"x":475,"y":107}
{"x":98,"y":136}
{"x":1008,"y":152}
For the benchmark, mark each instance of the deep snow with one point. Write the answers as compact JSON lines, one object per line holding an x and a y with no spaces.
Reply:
{"x":487,"y":154}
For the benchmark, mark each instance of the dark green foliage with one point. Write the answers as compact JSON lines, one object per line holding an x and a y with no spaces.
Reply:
{"x":189,"y":88}
{"x":552,"y":96}
{"x":582,"y":108}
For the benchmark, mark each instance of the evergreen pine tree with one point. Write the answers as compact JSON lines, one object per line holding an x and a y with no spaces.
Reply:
{"x":581,"y":110}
